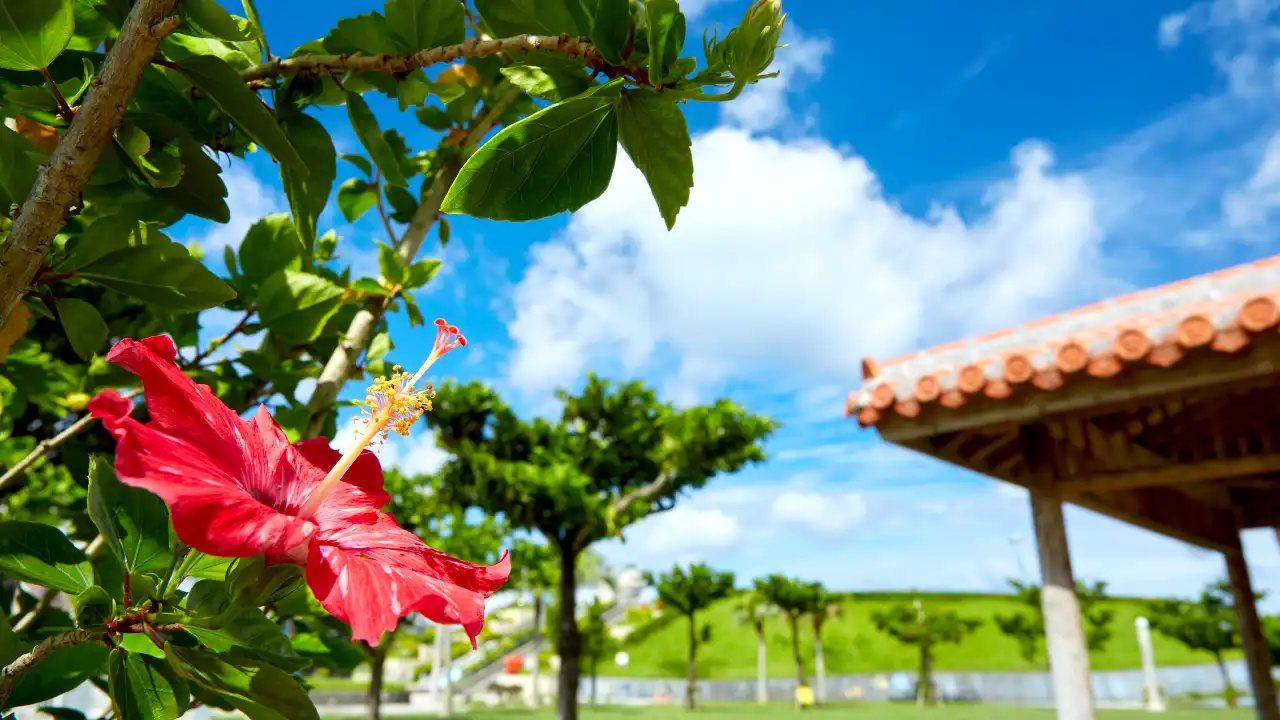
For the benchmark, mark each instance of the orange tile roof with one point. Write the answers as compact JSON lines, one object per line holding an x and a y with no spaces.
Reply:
{"x":1152,"y":327}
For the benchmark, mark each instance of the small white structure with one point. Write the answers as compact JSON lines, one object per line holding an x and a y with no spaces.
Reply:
{"x":1152,"y":702}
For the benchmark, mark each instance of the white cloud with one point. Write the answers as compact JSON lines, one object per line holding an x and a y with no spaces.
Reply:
{"x":249,"y":200}
{"x":694,"y":8}
{"x":685,"y":533}
{"x":1250,"y":204}
{"x":790,"y":253}
{"x":821,"y":513}
{"x":1171,"y":26}
{"x":766,"y":104}
{"x":417,"y":454}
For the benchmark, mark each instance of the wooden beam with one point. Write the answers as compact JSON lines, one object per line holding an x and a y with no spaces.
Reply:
{"x":1256,"y":653}
{"x":1200,"y":370}
{"x":1167,"y":512}
{"x":1257,"y":508}
{"x":1173,"y":474}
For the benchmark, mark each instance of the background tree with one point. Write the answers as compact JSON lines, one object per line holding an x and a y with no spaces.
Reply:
{"x":823,"y":606}
{"x":911,"y":624}
{"x":597,"y":642}
{"x":794,"y":599}
{"x":689,"y":592}
{"x":1208,"y":624}
{"x":755,"y":610}
{"x":615,"y":456}
{"x":1026,"y":627}
{"x":534,"y":569}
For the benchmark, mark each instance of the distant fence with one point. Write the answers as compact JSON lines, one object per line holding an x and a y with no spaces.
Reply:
{"x":1027,"y":688}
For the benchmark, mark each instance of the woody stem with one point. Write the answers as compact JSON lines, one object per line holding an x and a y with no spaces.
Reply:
{"x":335,"y":475}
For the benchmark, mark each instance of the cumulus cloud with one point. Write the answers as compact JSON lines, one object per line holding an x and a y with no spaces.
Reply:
{"x":686,"y":533}
{"x":249,"y":199}
{"x":1252,"y":202}
{"x":767,"y":104}
{"x":828,"y":514}
{"x":789,"y":252}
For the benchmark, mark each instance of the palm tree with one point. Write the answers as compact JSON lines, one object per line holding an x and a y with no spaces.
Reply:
{"x":689,"y":593}
{"x":755,"y":610}
{"x":823,"y":606}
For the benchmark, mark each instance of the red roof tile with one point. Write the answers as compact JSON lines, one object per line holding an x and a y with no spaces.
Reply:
{"x":1156,"y":326}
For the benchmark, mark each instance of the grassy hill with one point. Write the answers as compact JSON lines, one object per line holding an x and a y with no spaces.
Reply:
{"x":853,"y":645}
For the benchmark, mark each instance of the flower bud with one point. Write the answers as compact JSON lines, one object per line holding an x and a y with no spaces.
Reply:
{"x":756,"y":39}
{"x":93,"y":607}
{"x":76,"y":401}
{"x":144,"y":587}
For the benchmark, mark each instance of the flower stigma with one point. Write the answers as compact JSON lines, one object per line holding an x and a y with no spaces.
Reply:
{"x":392,"y":404}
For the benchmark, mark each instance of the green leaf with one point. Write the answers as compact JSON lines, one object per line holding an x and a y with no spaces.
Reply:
{"x":210,"y":567}
{"x":259,"y":690}
{"x":611,"y":29}
{"x":421,"y":24}
{"x":366,"y":127}
{"x":369,"y":286}
{"x":403,"y":205}
{"x":140,"y":643}
{"x":412,"y":309}
{"x":434,"y":117}
{"x":654,"y":133}
{"x":38,"y":97}
{"x":19,"y":172}
{"x":34,"y":32}
{"x":206,"y":18}
{"x":201,"y":191}
{"x":421,"y":273}
{"x":378,"y":348}
{"x":83,"y":325}
{"x":369,"y":34}
{"x":164,"y":275}
{"x":258,"y":636}
{"x":539,"y":17}
{"x":445,"y":230}
{"x":355,"y":198}
{"x":389,"y":262}
{"x":145,"y":688}
{"x":546,"y":83}
{"x":63,"y":670}
{"x":10,"y":646}
{"x":296,"y":305}
{"x":133,"y":521}
{"x":41,"y":554}
{"x":666,"y":27}
{"x":361,"y":162}
{"x":560,"y":158}
{"x":104,"y":235}
{"x":308,"y":194}
{"x":222,"y":84}
{"x":270,"y":245}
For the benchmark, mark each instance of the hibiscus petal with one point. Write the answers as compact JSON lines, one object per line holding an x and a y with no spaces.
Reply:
{"x":372,"y":574}
{"x":212,"y":512}
{"x":365,"y":473}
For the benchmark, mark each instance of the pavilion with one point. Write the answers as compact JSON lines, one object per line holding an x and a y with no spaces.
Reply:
{"x":1160,"y":408}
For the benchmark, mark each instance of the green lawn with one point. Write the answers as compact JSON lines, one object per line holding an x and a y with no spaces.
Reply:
{"x":869,"y":711}
{"x":854,"y":646}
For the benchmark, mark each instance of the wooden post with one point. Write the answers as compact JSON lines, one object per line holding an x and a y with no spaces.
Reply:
{"x":1063,"y":626}
{"x":1256,"y":653}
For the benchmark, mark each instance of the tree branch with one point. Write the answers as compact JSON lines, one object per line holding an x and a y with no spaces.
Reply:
{"x":338,"y":369}
{"x":474,"y":47}
{"x":46,"y":446}
{"x":382,"y":208}
{"x":60,"y":181}
{"x":219,"y":342}
{"x":644,"y":492}
{"x":41,"y":652}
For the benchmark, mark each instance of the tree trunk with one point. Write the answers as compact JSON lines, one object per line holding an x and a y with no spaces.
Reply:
{"x":570,"y":645}
{"x":536,"y":669}
{"x":762,"y":666}
{"x":595,"y":661}
{"x":1228,"y":689}
{"x":691,"y":684}
{"x":373,"y":696}
{"x":819,"y":668}
{"x":795,"y":650}
{"x":924,"y":680}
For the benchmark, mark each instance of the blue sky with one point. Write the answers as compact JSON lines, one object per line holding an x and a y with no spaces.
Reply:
{"x":921,"y":171}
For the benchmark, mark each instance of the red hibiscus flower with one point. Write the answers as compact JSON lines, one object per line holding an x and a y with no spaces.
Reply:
{"x":238,"y":488}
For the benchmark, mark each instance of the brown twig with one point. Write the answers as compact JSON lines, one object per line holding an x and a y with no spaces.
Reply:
{"x":338,"y":369}
{"x":220,"y":341}
{"x":64,"y":110}
{"x":40,"y":652}
{"x":382,"y":208}
{"x":45,"y":446}
{"x":475,"y":47}
{"x":60,"y":180}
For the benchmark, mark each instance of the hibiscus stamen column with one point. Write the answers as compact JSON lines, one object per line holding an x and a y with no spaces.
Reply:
{"x":392,"y":404}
